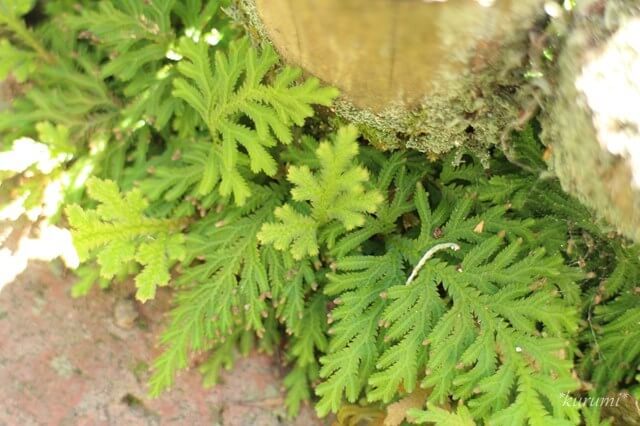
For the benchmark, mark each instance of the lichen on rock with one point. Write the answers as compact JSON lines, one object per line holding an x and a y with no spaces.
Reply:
{"x":592,"y":123}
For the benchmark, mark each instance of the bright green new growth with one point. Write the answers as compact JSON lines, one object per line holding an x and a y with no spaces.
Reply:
{"x":336,"y":192}
{"x":234,"y":89}
{"x":117,"y":232}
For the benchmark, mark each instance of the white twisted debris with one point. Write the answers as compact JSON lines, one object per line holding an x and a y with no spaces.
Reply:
{"x":429,"y":253}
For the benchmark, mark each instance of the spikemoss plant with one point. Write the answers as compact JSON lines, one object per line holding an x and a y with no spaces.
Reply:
{"x":477,"y":293}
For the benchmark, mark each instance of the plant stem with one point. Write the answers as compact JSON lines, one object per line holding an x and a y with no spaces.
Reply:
{"x":22,"y":32}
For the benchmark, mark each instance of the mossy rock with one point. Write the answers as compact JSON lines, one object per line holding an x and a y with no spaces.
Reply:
{"x":433,"y":76}
{"x":592,"y":123}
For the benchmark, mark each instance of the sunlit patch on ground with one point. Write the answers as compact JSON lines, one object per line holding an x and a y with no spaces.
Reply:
{"x":26,"y":233}
{"x":21,"y":243}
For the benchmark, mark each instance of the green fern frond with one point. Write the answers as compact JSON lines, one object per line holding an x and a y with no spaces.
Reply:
{"x":309,"y":340}
{"x":335,"y":193}
{"x":394,"y":180}
{"x":139,"y":41}
{"x":298,"y":386}
{"x":227,"y":285}
{"x":222,"y":357}
{"x":15,"y":8}
{"x":290,"y":282}
{"x":370,"y":274}
{"x":402,"y":363}
{"x":117,"y":233}
{"x":354,"y":344}
{"x":136,"y":38}
{"x":172,"y":181}
{"x":493,"y":334}
{"x":613,"y":330}
{"x":67,"y":94}
{"x":136,"y":33}
{"x":236,"y":88}
{"x":484,"y":333}
{"x":20,"y":63}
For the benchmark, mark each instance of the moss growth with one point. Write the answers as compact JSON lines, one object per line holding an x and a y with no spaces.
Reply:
{"x":452,"y":121}
{"x":600,"y":179}
{"x":468,"y":111}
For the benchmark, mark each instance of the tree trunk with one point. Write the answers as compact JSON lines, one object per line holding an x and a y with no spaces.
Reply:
{"x":592,"y":122}
{"x":424,"y":74}
{"x":442,"y":75}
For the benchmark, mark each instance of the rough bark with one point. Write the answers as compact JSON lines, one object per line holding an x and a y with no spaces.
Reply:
{"x":427,"y":75}
{"x":592,"y":122}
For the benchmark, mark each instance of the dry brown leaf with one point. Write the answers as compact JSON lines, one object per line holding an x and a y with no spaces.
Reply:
{"x":397,"y":412}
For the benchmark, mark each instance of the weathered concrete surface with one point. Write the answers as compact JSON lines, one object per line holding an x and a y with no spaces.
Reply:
{"x":83,"y":362}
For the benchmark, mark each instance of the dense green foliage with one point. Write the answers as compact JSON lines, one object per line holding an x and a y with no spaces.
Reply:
{"x":375,"y":273}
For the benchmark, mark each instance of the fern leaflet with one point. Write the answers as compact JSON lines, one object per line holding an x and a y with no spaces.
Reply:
{"x":117,"y":232}
{"x":336,"y":193}
{"x":235,"y":90}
